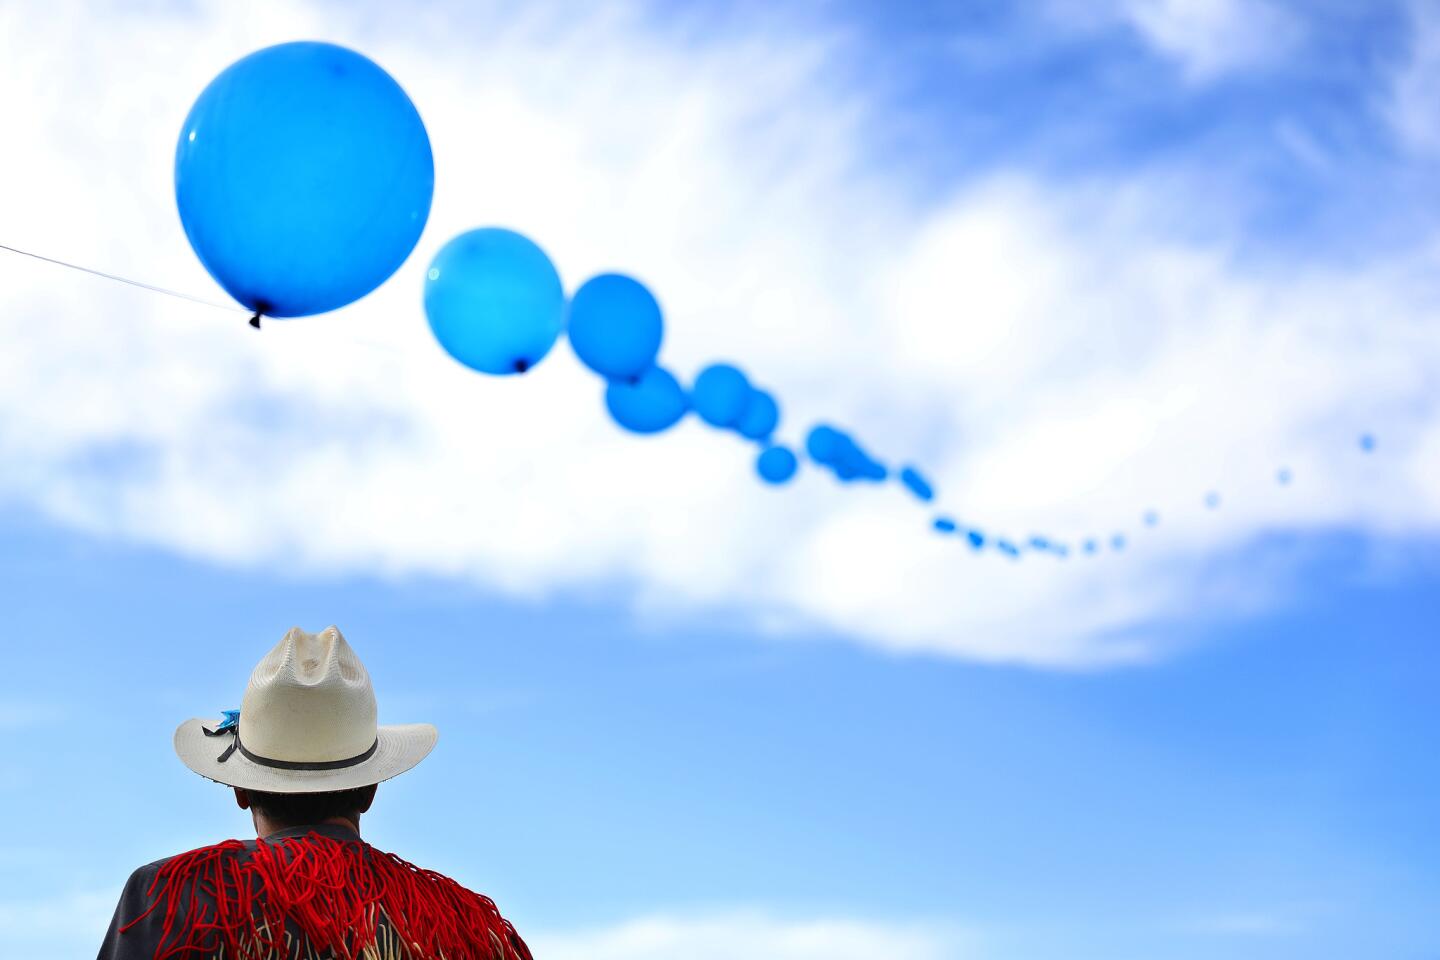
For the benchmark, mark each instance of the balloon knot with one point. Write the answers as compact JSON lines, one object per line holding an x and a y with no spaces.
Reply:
{"x":522,"y":365}
{"x":262,"y":307}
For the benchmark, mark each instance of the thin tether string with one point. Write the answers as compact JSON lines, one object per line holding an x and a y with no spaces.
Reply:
{"x":233,"y":308}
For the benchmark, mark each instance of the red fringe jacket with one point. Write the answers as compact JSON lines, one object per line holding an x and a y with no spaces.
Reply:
{"x":313,"y":893}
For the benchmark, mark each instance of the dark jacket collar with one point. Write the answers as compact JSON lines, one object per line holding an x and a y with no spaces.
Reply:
{"x":335,"y":830}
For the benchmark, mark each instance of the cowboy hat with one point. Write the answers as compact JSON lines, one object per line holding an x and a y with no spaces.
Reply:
{"x":306,"y":725}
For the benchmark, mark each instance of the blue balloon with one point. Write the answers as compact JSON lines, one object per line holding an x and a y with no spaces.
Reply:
{"x":776,"y":464}
{"x":849,"y":458}
{"x":494,"y":301}
{"x":824,"y":444}
{"x":944,"y":525}
{"x":976,"y":538}
{"x":760,"y":417}
{"x":303,"y":177}
{"x":917,"y":484}
{"x":871,"y":469}
{"x":615,"y":326}
{"x":653,"y":402}
{"x":1284,"y":476}
{"x":1367,"y":442}
{"x":720,"y":394}
{"x":850,"y":462}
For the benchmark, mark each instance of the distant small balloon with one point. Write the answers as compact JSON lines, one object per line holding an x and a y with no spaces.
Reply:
{"x":494,"y":301}
{"x":1212,"y":500}
{"x":976,"y":538}
{"x":851,"y":462}
{"x":1151,"y":518}
{"x":1039,"y":543}
{"x":1284,"y":476}
{"x":760,"y":417}
{"x":615,"y":326}
{"x":824,"y":444}
{"x":1367,"y":442}
{"x":1008,"y":548}
{"x":1090,"y":546}
{"x":719,"y":394}
{"x":1117,"y":542}
{"x":917,"y":484}
{"x":776,"y":464}
{"x":847,"y":467}
{"x":944,"y":525}
{"x":650,"y":404}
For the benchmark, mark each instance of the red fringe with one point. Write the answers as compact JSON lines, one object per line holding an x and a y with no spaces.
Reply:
{"x":332,"y":892}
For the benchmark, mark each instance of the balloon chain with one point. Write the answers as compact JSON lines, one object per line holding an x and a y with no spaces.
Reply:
{"x":254,"y":321}
{"x":1091,"y":545}
{"x":865,"y":467}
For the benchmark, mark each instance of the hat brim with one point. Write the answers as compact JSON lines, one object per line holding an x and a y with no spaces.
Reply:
{"x":401,"y":746}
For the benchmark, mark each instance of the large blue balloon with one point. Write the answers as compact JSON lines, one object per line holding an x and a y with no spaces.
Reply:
{"x":720,"y":394}
{"x":653,"y":402}
{"x":776,"y":464}
{"x":303,"y":177}
{"x":760,"y":416}
{"x":494,"y":301}
{"x":615,"y":326}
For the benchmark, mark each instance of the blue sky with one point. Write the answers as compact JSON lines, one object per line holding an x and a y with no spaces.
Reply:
{"x":1077,"y":259}
{"x":1263,"y":795}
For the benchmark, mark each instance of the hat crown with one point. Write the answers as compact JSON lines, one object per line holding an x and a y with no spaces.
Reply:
{"x":309,"y":701}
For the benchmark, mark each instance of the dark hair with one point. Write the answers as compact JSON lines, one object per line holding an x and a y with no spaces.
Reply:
{"x":300,"y":809}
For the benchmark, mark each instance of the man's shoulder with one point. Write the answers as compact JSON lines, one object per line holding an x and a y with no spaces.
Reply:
{"x":447,"y":916}
{"x":144,"y":881}
{"x":149,"y":903}
{"x":220,"y":849}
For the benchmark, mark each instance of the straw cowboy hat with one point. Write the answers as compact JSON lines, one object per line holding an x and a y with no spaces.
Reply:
{"x":306,"y":725}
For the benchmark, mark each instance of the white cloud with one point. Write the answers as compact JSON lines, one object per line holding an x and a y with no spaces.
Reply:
{"x":1060,"y":356}
{"x":1415,"y":83}
{"x":1211,"y":37}
{"x":1206,"y":39}
{"x":728,"y":936}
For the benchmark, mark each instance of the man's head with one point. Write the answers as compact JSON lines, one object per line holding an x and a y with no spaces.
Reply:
{"x":280,"y":811}
{"x":305,"y":746}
